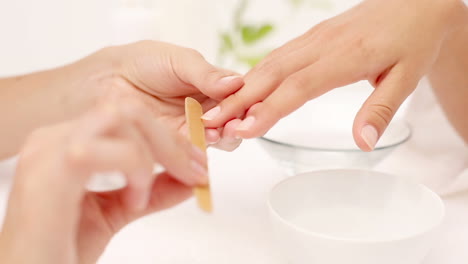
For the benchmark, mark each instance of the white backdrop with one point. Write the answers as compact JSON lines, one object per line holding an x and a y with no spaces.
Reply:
{"x":41,"y":34}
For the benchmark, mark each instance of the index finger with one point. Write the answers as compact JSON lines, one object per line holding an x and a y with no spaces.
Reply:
{"x":261,"y":82}
{"x":295,"y":91}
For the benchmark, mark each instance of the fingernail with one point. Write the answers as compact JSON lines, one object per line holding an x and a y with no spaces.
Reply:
{"x":370,"y":136}
{"x":228,"y":79}
{"x":246,"y":124}
{"x":144,"y":201}
{"x":138,"y":201}
{"x":213,"y":142}
{"x":201,"y":172}
{"x":210,"y":115}
{"x":212,"y":136}
{"x":237,"y":137}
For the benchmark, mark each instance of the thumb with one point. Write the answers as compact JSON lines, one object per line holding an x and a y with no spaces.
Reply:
{"x":214,"y":82}
{"x":379,"y":109}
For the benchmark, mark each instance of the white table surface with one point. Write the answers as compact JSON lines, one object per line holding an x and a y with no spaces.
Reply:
{"x":238,"y":231}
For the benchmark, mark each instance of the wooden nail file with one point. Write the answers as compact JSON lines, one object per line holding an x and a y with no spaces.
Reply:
{"x":193,"y":114}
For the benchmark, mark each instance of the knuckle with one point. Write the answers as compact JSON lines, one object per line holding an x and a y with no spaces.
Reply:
{"x":275,"y":112}
{"x":239,"y":100}
{"x":327,"y":33}
{"x":194,"y":53}
{"x":278,"y":52}
{"x":33,"y":143}
{"x":112,"y":117}
{"x":364,"y":47}
{"x":296,"y":84}
{"x":76,"y":155}
{"x":211,"y":75}
{"x":269,"y":68}
{"x":383,"y":112}
{"x":322,"y":25}
{"x":144,"y":43}
{"x":114,"y":121}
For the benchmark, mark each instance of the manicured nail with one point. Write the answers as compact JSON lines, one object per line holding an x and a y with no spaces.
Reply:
{"x":213,"y":142}
{"x":139,"y":200}
{"x":212,"y":136}
{"x":143,"y":202}
{"x":200,"y":172}
{"x":370,"y":135}
{"x":228,"y":79}
{"x":246,"y":124}
{"x":210,"y":115}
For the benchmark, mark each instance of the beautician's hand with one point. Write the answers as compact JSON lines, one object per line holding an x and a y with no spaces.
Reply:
{"x":162,"y":75}
{"x":392,"y":44}
{"x":52,"y":219}
{"x":159,"y":74}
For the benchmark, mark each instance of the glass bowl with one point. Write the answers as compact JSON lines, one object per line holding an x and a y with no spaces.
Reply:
{"x":306,"y":142}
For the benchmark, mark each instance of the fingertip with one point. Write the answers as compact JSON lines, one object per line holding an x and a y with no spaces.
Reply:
{"x":211,"y":114}
{"x":228,"y":144}
{"x":167,"y":192}
{"x":249,"y":134}
{"x":216,"y":117}
{"x":234,"y":85}
{"x":212,"y":136}
{"x":221,"y":87}
{"x":228,"y":109}
{"x":230,"y":128}
{"x":370,"y":136}
{"x":257,"y":122}
{"x":252,"y":127}
{"x":230,"y":81}
{"x":137,"y":199}
{"x":366,"y":134}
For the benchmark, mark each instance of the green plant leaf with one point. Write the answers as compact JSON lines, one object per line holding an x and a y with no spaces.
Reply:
{"x":252,"y":34}
{"x":226,"y":43}
{"x":251,"y":61}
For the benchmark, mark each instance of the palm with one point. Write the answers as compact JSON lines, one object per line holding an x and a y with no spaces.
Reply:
{"x":166,"y":101}
{"x":162,"y":76}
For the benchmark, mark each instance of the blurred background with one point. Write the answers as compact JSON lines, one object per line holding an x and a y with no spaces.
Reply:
{"x":233,"y":33}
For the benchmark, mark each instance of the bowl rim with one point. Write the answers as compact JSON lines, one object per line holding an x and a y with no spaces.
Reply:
{"x":348,"y":150}
{"x":437,"y":199}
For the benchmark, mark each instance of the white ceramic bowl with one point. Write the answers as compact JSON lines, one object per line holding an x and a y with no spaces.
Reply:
{"x":354,"y":216}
